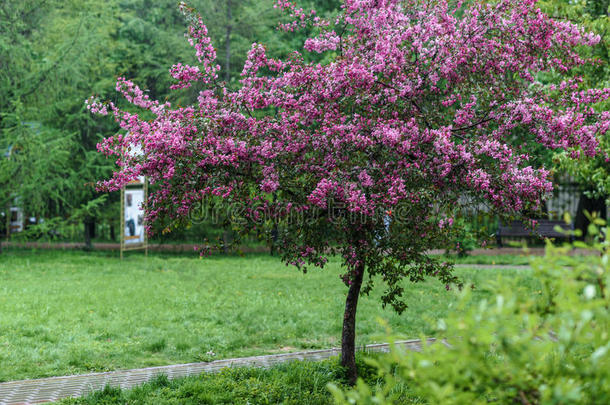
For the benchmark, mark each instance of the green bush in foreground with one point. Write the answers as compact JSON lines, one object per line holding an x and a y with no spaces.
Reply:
{"x":551,"y":347}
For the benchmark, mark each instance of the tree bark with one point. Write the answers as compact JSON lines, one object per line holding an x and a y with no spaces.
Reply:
{"x":348,"y":337}
{"x":274,"y":231}
{"x":226,"y":241}
{"x":89,"y":225}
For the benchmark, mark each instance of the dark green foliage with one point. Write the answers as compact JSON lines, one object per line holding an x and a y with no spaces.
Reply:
{"x":38,"y":159}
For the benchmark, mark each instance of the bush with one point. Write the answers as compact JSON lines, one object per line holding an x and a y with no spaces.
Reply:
{"x":552,"y":347}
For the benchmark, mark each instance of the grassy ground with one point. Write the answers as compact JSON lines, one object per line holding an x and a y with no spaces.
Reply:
{"x":294,"y":383}
{"x":72,"y":312}
{"x":504,"y":259}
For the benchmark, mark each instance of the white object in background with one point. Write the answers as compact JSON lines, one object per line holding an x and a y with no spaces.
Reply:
{"x":134,"y":216}
{"x":16,"y":219}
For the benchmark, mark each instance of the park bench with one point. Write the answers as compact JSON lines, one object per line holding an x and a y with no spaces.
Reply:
{"x":544,"y":229}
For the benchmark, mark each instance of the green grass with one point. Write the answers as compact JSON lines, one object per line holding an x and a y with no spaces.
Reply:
{"x":71,"y":312}
{"x":297,"y":382}
{"x":504,"y":259}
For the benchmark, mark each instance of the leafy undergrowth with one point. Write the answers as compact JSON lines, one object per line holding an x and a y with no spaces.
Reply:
{"x":551,"y":347}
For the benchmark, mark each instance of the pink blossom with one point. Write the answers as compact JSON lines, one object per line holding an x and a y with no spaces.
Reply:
{"x":410,"y":109}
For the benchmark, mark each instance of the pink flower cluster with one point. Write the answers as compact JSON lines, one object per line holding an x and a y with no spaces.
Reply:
{"x":420,"y":103}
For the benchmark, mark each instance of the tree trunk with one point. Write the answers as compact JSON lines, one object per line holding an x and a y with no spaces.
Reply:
{"x":226,"y":241}
{"x":93,"y":228}
{"x":274,"y":231}
{"x":89,"y":225}
{"x":274,"y":234}
{"x":348,"y":337}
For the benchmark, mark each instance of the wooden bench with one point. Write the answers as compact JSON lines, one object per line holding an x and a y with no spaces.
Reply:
{"x":544,"y":229}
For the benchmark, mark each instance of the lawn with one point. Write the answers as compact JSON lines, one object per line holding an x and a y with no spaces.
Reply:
{"x":72,"y":312}
{"x":299,"y":382}
{"x":502,"y":259}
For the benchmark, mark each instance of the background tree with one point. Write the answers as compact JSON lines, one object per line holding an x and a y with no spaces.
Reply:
{"x":54,"y":54}
{"x":34,"y":156}
{"x":49,"y":160}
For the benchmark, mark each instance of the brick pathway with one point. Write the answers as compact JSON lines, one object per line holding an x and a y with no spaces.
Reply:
{"x":55,"y":388}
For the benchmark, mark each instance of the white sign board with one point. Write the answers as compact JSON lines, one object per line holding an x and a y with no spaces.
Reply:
{"x":16,"y":219}
{"x":133,"y":231}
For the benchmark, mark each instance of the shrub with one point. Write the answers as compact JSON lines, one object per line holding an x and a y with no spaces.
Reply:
{"x":548,"y":348}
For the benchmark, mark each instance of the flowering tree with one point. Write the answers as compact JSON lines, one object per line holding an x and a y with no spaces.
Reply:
{"x":421,"y":105}
{"x":593,"y":174}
